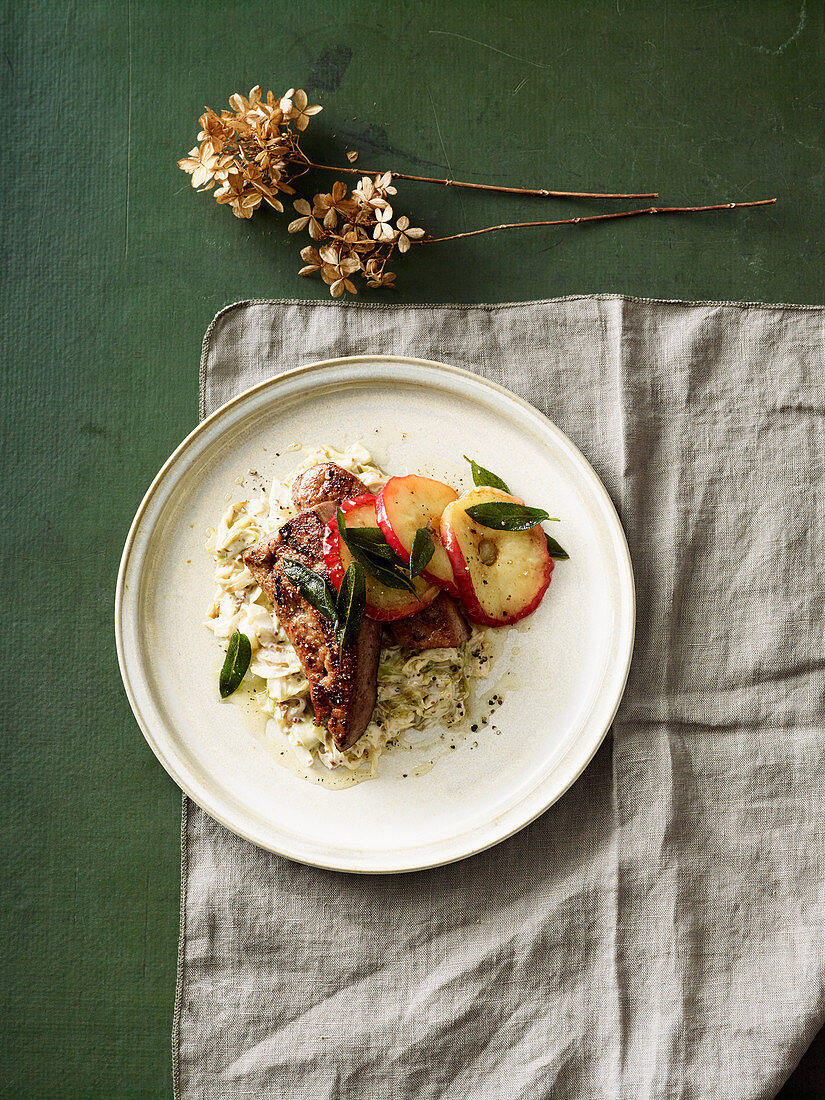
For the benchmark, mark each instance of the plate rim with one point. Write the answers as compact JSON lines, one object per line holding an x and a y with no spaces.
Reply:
{"x":626,"y":626}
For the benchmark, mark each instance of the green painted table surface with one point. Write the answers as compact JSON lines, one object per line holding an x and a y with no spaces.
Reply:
{"x":114,"y":267}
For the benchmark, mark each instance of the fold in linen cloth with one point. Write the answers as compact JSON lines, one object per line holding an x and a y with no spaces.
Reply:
{"x":660,"y":931}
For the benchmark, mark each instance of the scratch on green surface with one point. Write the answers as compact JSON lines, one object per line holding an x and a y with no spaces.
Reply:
{"x":776,"y":50}
{"x":446,"y":156}
{"x":495,"y":49}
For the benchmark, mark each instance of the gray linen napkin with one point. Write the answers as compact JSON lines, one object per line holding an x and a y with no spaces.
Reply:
{"x":659,"y":932}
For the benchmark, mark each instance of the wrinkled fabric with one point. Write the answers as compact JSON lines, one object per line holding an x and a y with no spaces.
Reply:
{"x":659,"y":932}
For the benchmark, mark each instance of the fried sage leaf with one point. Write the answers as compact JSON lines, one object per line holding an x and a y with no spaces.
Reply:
{"x":422,"y":550}
{"x":501,"y":515}
{"x":313,"y":587}
{"x":392,"y":574}
{"x":556,"y":551}
{"x":238,"y":656}
{"x":350,"y":605}
{"x":372,"y":541}
{"x":486,"y":477}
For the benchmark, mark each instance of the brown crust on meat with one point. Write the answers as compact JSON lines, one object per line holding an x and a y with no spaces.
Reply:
{"x":342,"y":685}
{"x":441,"y":625}
{"x":326,"y":481}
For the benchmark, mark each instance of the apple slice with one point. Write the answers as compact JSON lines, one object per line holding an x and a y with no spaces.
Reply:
{"x":501,"y":575}
{"x":404,"y":505}
{"x":384,"y":604}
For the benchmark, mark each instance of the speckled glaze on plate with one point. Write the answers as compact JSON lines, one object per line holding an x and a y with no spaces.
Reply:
{"x":560,"y":672}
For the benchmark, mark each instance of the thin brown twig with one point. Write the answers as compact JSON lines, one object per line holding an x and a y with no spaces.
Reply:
{"x":598,"y":218}
{"x":539,"y":191}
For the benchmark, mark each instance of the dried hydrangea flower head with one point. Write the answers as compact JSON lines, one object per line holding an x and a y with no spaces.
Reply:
{"x":356,"y":234}
{"x":252,"y":151}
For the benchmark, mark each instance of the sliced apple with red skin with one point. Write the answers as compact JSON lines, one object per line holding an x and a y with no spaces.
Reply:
{"x":406,"y":504}
{"x":501,"y":575}
{"x":384,"y":604}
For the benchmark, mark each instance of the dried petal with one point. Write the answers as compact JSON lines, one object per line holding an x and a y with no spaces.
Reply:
{"x":299,"y":112}
{"x":383,"y":187}
{"x":204,"y":165}
{"x":407,"y":233}
{"x":383,"y":231}
{"x":244,"y":203}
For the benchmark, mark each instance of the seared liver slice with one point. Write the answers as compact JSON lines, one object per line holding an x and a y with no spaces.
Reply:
{"x":325,"y":482}
{"x":438,"y":626}
{"x":342,"y":686}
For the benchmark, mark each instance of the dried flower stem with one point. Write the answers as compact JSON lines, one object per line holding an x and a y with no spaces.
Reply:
{"x":600,"y":218}
{"x":252,"y":155}
{"x":539,"y":191}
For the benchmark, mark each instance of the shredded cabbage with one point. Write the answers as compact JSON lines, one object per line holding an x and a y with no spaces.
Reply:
{"x":416,"y":691}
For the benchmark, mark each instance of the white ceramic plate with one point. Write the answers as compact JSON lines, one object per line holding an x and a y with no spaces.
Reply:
{"x":560,"y":672}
